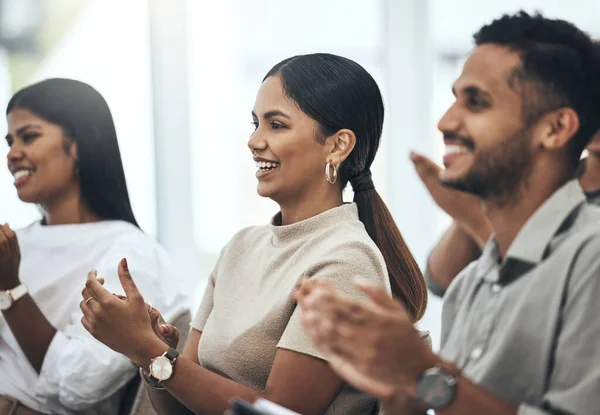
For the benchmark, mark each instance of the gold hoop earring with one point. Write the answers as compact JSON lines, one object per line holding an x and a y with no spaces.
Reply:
{"x":328,"y":174}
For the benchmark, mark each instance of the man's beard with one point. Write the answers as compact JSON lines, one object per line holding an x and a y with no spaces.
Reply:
{"x":499,"y":172}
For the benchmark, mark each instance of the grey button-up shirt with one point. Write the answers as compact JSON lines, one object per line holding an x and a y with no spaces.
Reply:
{"x":528,"y":329}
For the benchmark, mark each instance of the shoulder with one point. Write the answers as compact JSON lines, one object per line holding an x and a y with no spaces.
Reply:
{"x":345,"y":252}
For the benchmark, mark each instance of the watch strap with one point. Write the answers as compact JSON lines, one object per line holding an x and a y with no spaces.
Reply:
{"x":18,"y":292}
{"x":171,"y":354}
{"x":151,"y":381}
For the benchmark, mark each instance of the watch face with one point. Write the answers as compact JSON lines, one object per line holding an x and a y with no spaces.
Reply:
{"x":436,"y":389}
{"x":161,"y":368}
{"x":5,"y":300}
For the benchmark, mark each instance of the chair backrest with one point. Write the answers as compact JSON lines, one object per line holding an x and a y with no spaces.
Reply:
{"x":135,"y":399}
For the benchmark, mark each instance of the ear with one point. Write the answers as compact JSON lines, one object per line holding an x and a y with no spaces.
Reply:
{"x":341,"y":145}
{"x":72,"y":149}
{"x":558,"y":128}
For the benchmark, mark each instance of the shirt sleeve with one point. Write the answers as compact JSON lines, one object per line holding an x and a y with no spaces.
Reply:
{"x":206,"y":306}
{"x":78,"y":371}
{"x":435,"y":288}
{"x":340,"y":267}
{"x":574,"y":381}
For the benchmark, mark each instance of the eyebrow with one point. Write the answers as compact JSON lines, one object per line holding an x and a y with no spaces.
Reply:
{"x":473,"y":91}
{"x":272,"y":113}
{"x":23,"y":129}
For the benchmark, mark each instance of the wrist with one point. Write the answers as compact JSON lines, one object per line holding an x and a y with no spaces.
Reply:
{"x":478,"y":228}
{"x":151,"y":348}
{"x":10,"y":284}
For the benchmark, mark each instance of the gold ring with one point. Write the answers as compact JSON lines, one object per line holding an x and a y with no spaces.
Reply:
{"x":88,"y":300}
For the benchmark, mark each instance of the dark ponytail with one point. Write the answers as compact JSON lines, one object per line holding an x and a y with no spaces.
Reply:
{"x":406,"y":278}
{"x":339,"y":93}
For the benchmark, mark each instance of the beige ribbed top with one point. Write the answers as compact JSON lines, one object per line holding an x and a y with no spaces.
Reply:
{"x":248,"y":310}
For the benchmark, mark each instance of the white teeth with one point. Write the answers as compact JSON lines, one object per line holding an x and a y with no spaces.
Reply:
{"x":451,"y":149}
{"x":262,"y":165}
{"x":21,"y":173}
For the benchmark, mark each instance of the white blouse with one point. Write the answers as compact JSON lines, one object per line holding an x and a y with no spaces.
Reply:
{"x":79,"y":374}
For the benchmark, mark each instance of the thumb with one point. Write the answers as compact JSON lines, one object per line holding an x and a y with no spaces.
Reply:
{"x":426,"y":168}
{"x":375,"y":293}
{"x":129,"y":286}
{"x":168,"y":330}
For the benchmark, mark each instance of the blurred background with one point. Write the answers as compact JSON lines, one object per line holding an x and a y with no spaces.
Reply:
{"x":180,"y":77}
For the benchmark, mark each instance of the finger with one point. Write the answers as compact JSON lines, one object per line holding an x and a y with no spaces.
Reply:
{"x":3,"y":238}
{"x":89,"y":306}
{"x":327,"y":334}
{"x":424,"y":165}
{"x":85,"y":293}
{"x":170,"y":333}
{"x":348,"y":371}
{"x":127,"y":282}
{"x":95,"y":289}
{"x":86,"y":323}
{"x":303,"y":288}
{"x":376,"y":294}
{"x":12,"y":240}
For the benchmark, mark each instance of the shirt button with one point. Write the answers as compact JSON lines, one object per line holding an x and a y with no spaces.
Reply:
{"x":496,"y":288}
{"x":476,"y":353}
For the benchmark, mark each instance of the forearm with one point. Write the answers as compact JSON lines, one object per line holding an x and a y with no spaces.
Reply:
{"x":164,"y":403}
{"x":471,"y":399}
{"x":33,"y":331}
{"x":454,"y":251}
{"x":200,"y":390}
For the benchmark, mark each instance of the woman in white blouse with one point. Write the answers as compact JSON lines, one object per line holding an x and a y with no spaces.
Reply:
{"x":64,"y":156}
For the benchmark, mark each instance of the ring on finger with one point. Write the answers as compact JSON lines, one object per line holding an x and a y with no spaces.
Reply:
{"x":88,"y":300}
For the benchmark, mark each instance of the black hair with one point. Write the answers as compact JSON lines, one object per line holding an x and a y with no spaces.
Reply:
{"x":560,"y":68}
{"x":85,"y":118}
{"x":338,"y":94}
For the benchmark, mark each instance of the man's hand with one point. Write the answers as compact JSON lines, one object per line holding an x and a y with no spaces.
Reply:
{"x":465,"y":209}
{"x":374,"y":347}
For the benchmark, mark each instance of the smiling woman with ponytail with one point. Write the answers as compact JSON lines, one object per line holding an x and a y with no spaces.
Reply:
{"x":318,"y":121}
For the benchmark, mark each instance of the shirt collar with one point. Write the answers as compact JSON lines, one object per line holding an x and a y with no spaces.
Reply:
{"x":534,"y":237}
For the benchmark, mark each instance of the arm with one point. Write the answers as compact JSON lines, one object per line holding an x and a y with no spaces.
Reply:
{"x":162,"y":401}
{"x":31,"y":329}
{"x":462,"y":242}
{"x":455,"y":250}
{"x":125,"y":326}
{"x":205,"y":392}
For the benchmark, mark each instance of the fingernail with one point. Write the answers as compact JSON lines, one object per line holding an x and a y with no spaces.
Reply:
{"x":124,"y":264}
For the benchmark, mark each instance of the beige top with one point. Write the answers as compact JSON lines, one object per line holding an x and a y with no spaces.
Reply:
{"x":248,"y":309}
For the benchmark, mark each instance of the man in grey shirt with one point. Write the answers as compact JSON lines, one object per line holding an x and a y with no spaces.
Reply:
{"x":521,"y":331}
{"x":462,"y":242}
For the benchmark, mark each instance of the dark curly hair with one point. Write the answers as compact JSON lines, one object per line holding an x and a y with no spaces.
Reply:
{"x":560,"y":68}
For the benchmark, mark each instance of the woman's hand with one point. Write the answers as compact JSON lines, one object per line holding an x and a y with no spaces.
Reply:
{"x":10,"y":258}
{"x":168,"y":333}
{"x":122,"y":323}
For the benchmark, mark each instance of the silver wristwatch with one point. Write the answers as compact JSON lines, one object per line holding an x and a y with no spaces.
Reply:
{"x":161,"y":369}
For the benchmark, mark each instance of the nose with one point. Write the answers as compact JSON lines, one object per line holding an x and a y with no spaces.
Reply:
{"x":15,"y":153}
{"x":450,"y":121}
{"x":257,"y":142}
